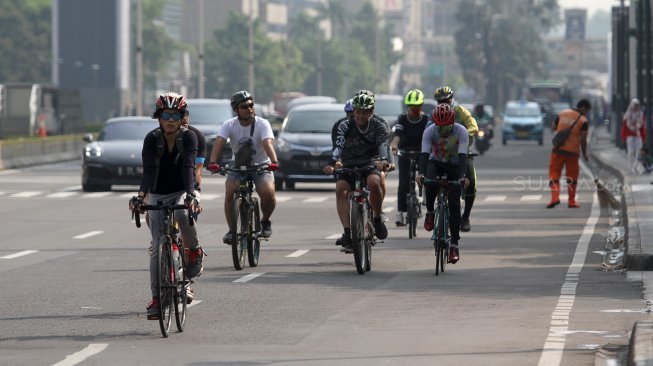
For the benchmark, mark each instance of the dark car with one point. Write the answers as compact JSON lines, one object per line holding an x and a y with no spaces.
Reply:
{"x":115,"y":158}
{"x":207,"y":115}
{"x":304,"y":145}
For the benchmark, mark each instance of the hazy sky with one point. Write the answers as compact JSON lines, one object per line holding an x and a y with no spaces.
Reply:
{"x":590,"y":5}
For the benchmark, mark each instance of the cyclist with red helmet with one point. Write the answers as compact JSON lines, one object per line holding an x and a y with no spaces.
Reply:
{"x":444,"y":152}
{"x":169,"y":157}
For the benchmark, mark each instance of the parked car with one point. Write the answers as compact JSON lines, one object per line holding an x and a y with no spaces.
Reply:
{"x":207,"y":115}
{"x":522,"y":121}
{"x":304,"y":145}
{"x":115,"y":158}
{"x":312,"y":99}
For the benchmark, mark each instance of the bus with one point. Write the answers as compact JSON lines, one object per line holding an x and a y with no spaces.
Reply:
{"x":552,"y":96}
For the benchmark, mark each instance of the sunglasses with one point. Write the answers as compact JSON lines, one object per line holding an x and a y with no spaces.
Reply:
{"x":246,"y":106}
{"x":175,"y":116}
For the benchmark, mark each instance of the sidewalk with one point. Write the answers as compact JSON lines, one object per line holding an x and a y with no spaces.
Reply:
{"x":637,"y":207}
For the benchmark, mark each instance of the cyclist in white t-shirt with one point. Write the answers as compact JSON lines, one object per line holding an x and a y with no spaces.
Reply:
{"x":251,"y":139}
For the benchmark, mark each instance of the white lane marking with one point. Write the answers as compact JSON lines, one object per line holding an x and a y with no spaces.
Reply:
{"x":297,"y":253}
{"x":86,"y":235}
{"x":555,"y":342}
{"x":72,"y":188}
{"x":283,"y":198}
{"x":334,"y":236}
{"x":315,"y":199}
{"x":19,"y":254}
{"x":209,"y":197}
{"x":531,"y":197}
{"x":61,"y":194}
{"x":91,"y":308}
{"x":495,"y":198}
{"x":26,"y":194}
{"x":128,"y":195}
{"x":77,"y":357}
{"x":195,"y":302}
{"x":249,"y":277}
{"x":1,"y":193}
{"x":96,"y":195}
{"x":625,"y":311}
{"x":388,"y":209}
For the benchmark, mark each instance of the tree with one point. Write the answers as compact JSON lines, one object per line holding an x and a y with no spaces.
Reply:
{"x":25,"y":41}
{"x":277,"y":65}
{"x":503,"y":46}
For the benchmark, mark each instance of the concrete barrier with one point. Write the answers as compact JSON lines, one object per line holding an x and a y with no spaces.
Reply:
{"x":19,"y":153}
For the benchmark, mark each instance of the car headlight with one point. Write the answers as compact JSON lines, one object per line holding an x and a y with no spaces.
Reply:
{"x":283,"y":145}
{"x":93,"y":152}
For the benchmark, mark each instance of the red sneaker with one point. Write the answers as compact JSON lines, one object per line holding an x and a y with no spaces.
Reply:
{"x":454,"y":254}
{"x":429,"y":221}
{"x":153,"y":309}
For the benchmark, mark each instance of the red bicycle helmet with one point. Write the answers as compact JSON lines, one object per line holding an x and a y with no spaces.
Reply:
{"x":169,"y":100}
{"x":443,"y":115}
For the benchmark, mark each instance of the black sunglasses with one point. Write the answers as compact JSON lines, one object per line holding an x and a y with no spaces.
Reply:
{"x":246,"y":106}
{"x":175,"y":116}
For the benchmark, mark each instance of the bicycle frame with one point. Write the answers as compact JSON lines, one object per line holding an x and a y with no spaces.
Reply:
{"x":413,"y":205}
{"x":440,"y":237}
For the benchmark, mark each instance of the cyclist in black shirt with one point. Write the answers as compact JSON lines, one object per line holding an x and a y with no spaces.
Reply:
{"x":408,"y":136}
{"x":361,"y":141}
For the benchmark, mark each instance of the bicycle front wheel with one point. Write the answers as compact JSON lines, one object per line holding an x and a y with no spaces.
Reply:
{"x":441,"y":253}
{"x":182,"y":283}
{"x":411,"y":217}
{"x":357,"y":221}
{"x":239,"y":245}
{"x":165,"y":286}
{"x":254,"y":243}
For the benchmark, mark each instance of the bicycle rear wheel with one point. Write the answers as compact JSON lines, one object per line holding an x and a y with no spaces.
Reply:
{"x":182,"y":282}
{"x":165,"y":286}
{"x":239,"y":245}
{"x":254,"y":243}
{"x":357,"y":221}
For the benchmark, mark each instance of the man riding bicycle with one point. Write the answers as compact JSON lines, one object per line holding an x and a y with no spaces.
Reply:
{"x":251,"y":139}
{"x":444,"y":152}
{"x":444,"y":94}
{"x":361,"y":141}
{"x":169,"y":157}
{"x":408,"y":136}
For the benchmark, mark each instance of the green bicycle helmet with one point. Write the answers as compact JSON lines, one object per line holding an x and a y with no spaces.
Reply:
{"x":443,"y":93}
{"x":363,"y":101}
{"x":414,"y":97}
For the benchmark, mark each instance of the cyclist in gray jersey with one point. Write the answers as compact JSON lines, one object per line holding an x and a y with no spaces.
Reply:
{"x":360,"y":142}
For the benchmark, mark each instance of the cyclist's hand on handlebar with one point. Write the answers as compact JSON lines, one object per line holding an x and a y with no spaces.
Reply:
{"x":382,"y":165}
{"x":465,"y":182}
{"x":338,"y":164}
{"x":328,"y":170}
{"x":213,"y":167}
{"x":392,"y":167}
{"x":135,"y":204}
{"x":420,"y":180}
{"x":273,"y":166}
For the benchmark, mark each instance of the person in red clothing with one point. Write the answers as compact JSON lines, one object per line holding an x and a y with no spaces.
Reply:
{"x":568,"y":154}
{"x":633,"y":132}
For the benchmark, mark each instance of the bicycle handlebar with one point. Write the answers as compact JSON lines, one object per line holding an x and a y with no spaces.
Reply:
{"x":243,"y":169}
{"x":137,"y":215}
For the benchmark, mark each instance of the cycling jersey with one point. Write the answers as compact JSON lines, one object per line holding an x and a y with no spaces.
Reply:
{"x":356,"y":147}
{"x":445,"y":149}
{"x":410,"y":133}
{"x":465,"y":118}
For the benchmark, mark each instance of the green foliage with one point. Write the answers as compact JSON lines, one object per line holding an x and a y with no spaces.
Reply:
{"x":502,"y":46}
{"x":25,"y":41}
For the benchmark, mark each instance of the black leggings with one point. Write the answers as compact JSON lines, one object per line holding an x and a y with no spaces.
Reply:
{"x":434,"y":169}
{"x":470,"y":192}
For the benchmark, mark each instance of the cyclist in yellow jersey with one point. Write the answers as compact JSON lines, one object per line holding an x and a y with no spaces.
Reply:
{"x":444,"y":94}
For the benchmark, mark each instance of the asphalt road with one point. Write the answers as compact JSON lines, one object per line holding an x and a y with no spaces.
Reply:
{"x":527,"y":291}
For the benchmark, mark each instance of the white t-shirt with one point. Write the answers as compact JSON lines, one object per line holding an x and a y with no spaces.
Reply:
{"x":237,"y":135}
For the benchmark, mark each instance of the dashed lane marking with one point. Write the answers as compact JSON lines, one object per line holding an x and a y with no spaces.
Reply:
{"x":19,"y":254}
{"x":283,"y":198}
{"x":96,"y":195}
{"x":26,"y":194}
{"x":495,"y":198}
{"x":531,"y":197}
{"x":334,"y":236}
{"x":61,"y":194}
{"x":87,"y":235}
{"x":249,"y":277}
{"x":195,"y":302}
{"x":77,"y":357}
{"x":315,"y":199}
{"x":209,"y":197}
{"x":297,"y":253}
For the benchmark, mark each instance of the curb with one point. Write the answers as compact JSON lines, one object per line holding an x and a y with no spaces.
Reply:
{"x":640,"y":347}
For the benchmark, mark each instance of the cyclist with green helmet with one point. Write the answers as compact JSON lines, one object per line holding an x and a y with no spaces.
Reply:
{"x":444,"y":94}
{"x":408,"y":137}
{"x":361,"y":141}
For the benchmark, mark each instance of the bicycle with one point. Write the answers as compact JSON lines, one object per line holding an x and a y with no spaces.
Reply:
{"x":173,"y":284}
{"x":413,"y":204}
{"x":440,"y":237}
{"x":360,"y":219}
{"x":246,"y":217}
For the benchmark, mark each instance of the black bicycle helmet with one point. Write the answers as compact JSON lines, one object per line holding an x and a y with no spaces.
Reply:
{"x":240,"y":97}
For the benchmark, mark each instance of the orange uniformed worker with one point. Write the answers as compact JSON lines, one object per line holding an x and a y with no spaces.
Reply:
{"x":567,"y":155}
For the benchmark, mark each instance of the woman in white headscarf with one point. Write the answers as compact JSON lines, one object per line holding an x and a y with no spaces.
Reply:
{"x":633,"y":131}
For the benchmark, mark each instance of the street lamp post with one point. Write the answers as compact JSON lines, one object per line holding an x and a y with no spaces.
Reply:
{"x":139,"y":58}
{"x":200,"y":77}
{"x":250,"y":48}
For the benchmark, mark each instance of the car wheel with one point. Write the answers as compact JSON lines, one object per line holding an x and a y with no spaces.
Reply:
{"x":290,"y":185}
{"x":278,"y":184}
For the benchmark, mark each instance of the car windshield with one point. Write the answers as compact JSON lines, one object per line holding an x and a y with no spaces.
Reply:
{"x":388,"y":107}
{"x":128,"y":130}
{"x":516,"y":111}
{"x":204,"y":114}
{"x":313,"y":121}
